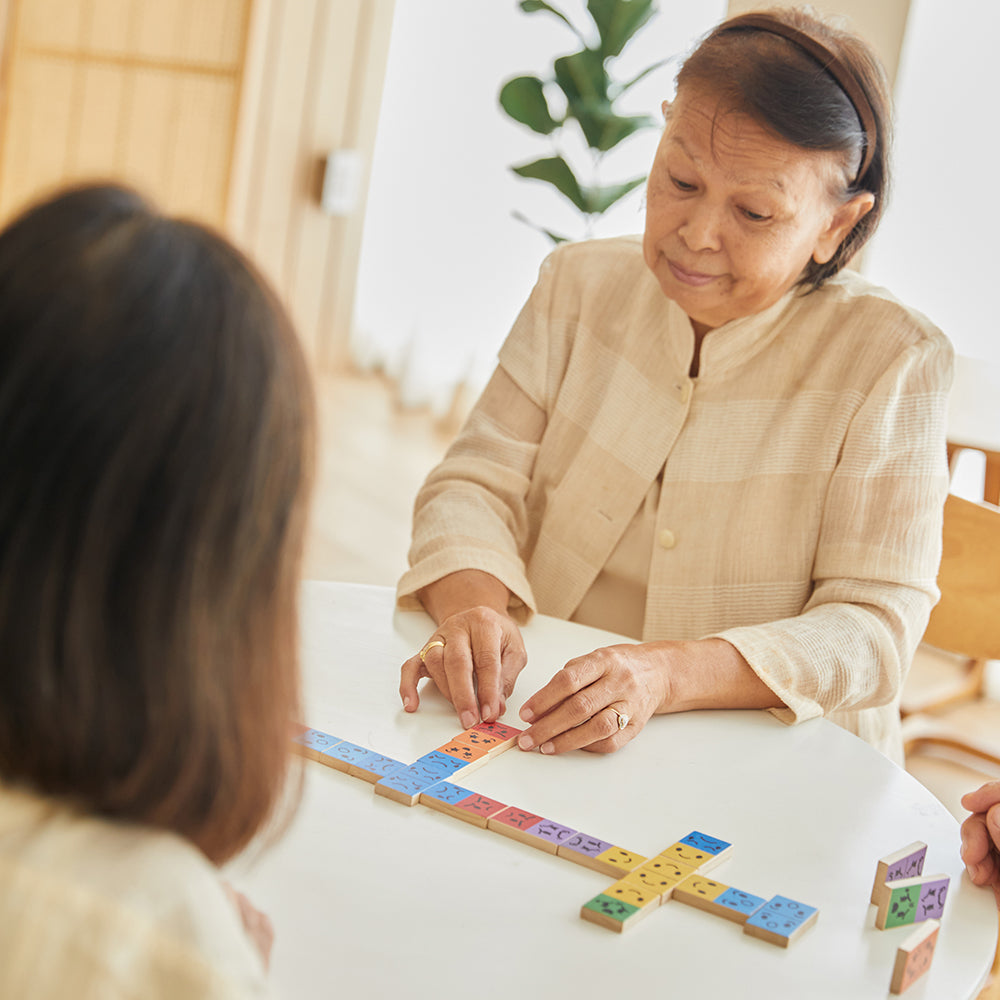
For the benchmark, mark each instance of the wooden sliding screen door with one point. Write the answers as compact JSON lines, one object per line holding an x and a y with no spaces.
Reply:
{"x":223,"y":110}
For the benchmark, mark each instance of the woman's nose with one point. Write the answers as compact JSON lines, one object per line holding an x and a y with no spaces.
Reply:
{"x":701,"y":228}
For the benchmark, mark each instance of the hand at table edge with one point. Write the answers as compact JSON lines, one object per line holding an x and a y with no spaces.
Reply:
{"x":980,"y":849}
{"x":585,"y":703}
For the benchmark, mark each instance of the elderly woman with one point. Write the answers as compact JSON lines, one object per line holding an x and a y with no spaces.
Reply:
{"x":713,"y":439}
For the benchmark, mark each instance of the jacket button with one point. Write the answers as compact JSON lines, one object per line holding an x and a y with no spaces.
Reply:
{"x":666,"y":539}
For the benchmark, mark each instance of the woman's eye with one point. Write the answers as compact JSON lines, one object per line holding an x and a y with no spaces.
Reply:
{"x":755,"y":216}
{"x":681,"y":185}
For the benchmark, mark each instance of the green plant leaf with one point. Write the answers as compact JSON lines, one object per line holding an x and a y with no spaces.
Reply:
{"x":600,"y":199}
{"x":618,"y":20}
{"x":533,"y":6}
{"x":615,"y":128}
{"x":584,"y":80}
{"x":555,"y":237}
{"x":556,"y":171}
{"x":523,"y":98}
{"x":582,"y":77}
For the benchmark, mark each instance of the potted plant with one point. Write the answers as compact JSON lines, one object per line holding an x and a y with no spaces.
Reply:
{"x":579,"y":96}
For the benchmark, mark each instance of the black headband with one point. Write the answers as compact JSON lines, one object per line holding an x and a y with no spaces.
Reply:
{"x":847,"y":81}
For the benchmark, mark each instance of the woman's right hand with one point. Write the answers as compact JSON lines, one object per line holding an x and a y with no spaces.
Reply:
{"x":483,"y":651}
{"x":981,"y":836}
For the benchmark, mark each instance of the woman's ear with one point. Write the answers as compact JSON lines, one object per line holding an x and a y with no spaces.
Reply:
{"x":665,"y":110}
{"x":844,"y":219}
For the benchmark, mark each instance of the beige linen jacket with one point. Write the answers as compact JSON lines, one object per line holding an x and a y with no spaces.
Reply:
{"x":803,"y":475}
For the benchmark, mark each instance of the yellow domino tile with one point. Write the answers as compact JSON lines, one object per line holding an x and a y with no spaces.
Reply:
{"x":633,"y":893}
{"x":616,"y":859}
{"x":669,"y":868}
{"x":691,"y":856}
{"x":656,"y":879}
{"x":697,"y":889}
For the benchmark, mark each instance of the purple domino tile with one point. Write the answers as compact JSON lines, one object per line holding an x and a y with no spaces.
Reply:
{"x":932,"y":899}
{"x":553,"y":832}
{"x":583,"y":843}
{"x":909,"y":867}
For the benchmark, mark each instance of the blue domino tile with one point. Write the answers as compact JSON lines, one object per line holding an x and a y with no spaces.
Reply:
{"x":316,"y":740}
{"x":348,"y":752}
{"x":439,"y":763}
{"x":739,"y":901}
{"x":781,"y":915}
{"x":703,"y":842}
{"x":377,"y":764}
{"x":416,"y":778}
{"x":446,"y":791}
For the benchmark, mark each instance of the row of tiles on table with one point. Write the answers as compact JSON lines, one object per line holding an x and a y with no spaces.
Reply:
{"x":901,"y":893}
{"x":642,"y":884}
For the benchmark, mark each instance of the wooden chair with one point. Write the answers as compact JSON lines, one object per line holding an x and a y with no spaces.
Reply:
{"x":963,"y":632}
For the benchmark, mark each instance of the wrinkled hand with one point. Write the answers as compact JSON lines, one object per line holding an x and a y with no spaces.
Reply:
{"x":581,"y":707}
{"x":476,"y":668}
{"x":981,"y":836}
{"x":258,"y":925}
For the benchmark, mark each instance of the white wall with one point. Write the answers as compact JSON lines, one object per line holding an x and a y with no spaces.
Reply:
{"x":935,"y":248}
{"x":444,"y":267}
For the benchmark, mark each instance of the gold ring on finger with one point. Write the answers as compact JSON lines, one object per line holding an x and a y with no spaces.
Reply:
{"x":428,"y":646}
{"x":623,"y":717}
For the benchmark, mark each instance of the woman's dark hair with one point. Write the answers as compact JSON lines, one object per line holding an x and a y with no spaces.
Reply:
{"x":787,"y":88}
{"x":156,"y":436}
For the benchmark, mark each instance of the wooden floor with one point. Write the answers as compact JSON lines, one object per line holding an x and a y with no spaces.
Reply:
{"x":372,"y":460}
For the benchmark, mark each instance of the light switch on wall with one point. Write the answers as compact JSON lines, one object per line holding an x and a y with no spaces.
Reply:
{"x":341,"y":182}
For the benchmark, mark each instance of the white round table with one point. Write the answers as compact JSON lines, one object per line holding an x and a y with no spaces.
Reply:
{"x":373,"y":899}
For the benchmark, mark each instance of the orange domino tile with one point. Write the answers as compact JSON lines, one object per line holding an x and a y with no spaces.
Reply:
{"x":914,"y":957}
{"x":463,"y":751}
{"x":481,"y":741}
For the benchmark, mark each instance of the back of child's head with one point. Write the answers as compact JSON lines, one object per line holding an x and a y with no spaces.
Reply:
{"x":155,"y":455}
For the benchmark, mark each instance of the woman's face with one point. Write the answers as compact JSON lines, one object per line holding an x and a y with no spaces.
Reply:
{"x":734,"y":214}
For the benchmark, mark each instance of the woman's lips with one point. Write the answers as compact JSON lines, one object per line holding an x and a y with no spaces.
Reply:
{"x":693,"y":278}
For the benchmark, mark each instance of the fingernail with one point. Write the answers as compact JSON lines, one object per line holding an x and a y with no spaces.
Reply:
{"x":468,"y":720}
{"x":486,"y":712}
{"x":408,"y":704}
{"x":526,"y":714}
{"x":547,"y":748}
{"x":525,"y":742}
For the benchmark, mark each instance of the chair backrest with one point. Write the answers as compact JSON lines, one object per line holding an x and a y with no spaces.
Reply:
{"x":967,"y":618}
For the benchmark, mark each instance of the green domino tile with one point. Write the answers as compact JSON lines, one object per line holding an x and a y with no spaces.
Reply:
{"x":608,"y":912}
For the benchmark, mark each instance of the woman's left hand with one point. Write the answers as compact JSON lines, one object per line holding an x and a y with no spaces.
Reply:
{"x":598,"y":702}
